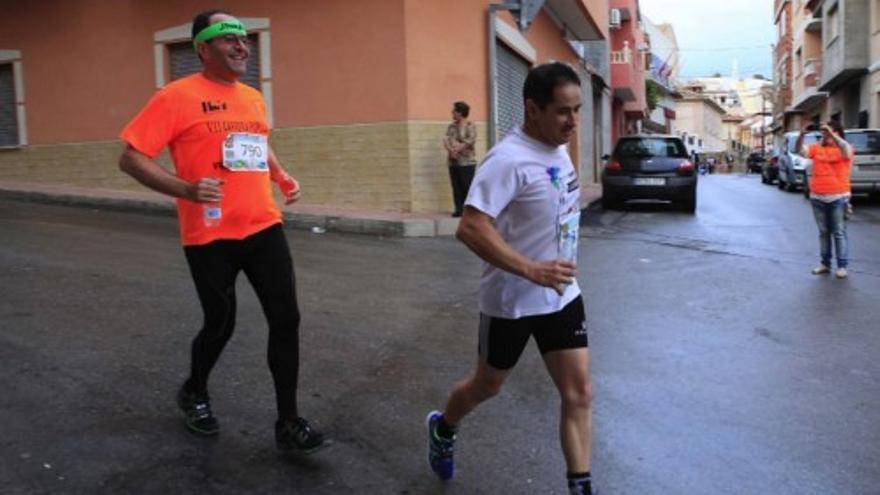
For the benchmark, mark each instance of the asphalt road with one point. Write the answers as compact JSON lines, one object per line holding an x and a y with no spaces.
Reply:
{"x":721,"y":365}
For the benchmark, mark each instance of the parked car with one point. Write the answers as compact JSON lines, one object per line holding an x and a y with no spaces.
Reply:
{"x":865,"y":174}
{"x":754,"y":162}
{"x":770,"y":168}
{"x":792,"y":166}
{"x":649,"y":167}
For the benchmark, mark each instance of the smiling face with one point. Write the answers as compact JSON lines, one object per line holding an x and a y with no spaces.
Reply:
{"x":556,"y":123}
{"x":225,"y":56}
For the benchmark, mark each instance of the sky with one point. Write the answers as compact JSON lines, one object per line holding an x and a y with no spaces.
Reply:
{"x":712,"y":34}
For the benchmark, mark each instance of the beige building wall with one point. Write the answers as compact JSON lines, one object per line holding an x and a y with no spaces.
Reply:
{"x":699,"y":117}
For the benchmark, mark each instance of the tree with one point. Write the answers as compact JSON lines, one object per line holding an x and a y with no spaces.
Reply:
{"x":759,"y":76}
{"x":652,"y":94}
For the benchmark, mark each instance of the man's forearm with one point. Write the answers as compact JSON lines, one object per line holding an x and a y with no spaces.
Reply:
{"x":799,"y":146}
{"x":842,"y":145}
{"x":151,"y":174}
{"x":481,"y":237}
{"x":276,"y":171}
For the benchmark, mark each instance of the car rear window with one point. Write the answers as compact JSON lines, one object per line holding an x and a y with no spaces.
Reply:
{"x":865,"y":143}
{"x":663,"y":147}
{"x":811,"y":138}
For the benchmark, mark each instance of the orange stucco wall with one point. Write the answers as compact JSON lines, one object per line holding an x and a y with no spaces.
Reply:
{"x":89,"y":65}
{"x":88,"y":68}
{"x":447,"y":57}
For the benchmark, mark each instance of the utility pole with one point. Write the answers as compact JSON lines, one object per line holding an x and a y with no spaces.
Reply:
{"x":763,"y":121}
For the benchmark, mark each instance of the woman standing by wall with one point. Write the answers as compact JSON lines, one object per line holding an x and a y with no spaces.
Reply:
{"x":459,"y":143}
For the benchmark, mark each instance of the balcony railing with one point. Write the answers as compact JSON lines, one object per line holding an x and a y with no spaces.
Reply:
{"x":622,"y":56}
{"x":812,"y":72}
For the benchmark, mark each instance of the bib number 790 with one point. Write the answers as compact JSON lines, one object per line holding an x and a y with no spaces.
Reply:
{"x":245,"y":153}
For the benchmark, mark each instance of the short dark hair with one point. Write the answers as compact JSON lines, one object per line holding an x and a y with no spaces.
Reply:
{"x":835,"y":124}
{"x":203,"y":20}
{"x":461,"y":107}
{"x":543,"y":80}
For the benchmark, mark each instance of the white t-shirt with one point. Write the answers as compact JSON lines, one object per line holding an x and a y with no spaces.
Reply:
{"x":531,"y":190}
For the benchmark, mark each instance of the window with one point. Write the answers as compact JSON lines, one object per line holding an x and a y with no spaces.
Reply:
{"x":662,"y":147}
{"x":798,"y":62}
{"x":865,"y":143}
{"x":782,"y":21}
{"x":833,"y":23}
{"x":876,"y":15}
{"x":12,"y":124}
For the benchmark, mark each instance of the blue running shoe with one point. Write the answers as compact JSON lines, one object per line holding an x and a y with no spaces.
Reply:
{"x":440,"y":449}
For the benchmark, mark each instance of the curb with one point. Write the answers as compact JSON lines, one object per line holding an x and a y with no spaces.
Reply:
{"x":350,"y":224}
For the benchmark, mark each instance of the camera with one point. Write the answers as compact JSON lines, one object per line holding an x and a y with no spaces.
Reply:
{"x":813,"y":127}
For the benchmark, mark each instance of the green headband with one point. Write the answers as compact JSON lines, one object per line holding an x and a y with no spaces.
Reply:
{"x":222,"y":28}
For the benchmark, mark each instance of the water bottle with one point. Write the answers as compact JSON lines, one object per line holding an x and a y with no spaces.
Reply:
{"x":212,"y":213}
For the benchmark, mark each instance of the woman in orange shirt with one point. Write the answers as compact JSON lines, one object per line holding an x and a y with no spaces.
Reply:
{"x":830,"y":193}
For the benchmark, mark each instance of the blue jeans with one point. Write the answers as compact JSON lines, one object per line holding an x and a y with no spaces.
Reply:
{"x":829,"y":219}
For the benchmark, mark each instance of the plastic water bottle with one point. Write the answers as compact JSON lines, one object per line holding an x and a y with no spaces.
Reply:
{"x":212,"y":213}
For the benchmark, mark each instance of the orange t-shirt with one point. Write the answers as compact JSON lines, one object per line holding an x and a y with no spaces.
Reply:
{"x":830,"y":173}
{"x":193,"y":116}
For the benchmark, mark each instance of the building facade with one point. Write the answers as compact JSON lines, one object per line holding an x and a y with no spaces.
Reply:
{"x":782,"y":65}
{"x":662,"y":77}
{"x":846,"y":41}
{"x":809,"y":103}
{"x":358,"y":93}
{"x":699,"y":121}
{"x":629,"y":62}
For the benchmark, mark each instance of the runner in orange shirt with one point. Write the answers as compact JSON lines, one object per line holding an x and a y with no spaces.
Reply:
{"x":217,"y":132}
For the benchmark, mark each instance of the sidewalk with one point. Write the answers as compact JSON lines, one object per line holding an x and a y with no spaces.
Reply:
{"x":319,"y":218}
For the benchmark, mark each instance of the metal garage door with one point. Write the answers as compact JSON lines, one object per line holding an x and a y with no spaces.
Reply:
{"x":183,"y":61}
{"x":512,"y":70}
{"x":8,"y":114}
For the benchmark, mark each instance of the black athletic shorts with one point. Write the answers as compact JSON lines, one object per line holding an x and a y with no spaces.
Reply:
{"x":502,"y":340}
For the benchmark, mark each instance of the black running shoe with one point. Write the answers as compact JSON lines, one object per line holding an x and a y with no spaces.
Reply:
{"x":197,"y":408}
{"x":298,"y":437}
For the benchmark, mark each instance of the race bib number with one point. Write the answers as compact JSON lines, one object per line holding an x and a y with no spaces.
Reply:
{"x":246,"y":153}
{"x":567,"y":235}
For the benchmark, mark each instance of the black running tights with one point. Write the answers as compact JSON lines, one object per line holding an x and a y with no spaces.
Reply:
{"x":265,"y":259}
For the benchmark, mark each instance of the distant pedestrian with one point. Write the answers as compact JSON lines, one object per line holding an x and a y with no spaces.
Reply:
{"x":522,"y":218}
{"x":461,"y":135}
{"x":830,"y":193}
{"x":217,"y":132}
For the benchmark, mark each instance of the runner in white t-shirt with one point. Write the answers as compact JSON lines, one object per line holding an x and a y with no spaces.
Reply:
{"x":521,"y":217}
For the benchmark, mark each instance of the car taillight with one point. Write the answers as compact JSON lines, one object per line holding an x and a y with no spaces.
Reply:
{"x":685,"y":168}
{"x":613,"y":166}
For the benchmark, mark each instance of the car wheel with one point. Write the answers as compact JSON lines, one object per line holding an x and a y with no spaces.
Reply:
{"x":608,"y":203}
{"x":780,"y":183}
{"x":764,"y":179}
{"x":789,"y":187}
{"x":689,"y":203}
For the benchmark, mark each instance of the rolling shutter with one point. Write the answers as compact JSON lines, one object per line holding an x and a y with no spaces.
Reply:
{"x":512,"y":71}
{"x":8,"y":113}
